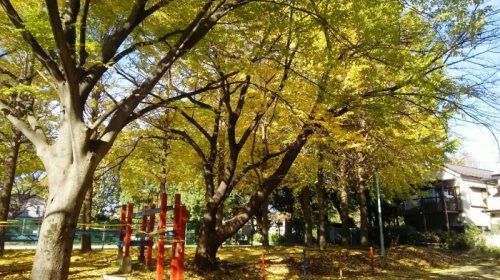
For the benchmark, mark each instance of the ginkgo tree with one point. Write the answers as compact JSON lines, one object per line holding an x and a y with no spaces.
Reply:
{"x":78,"y":43}
{"x":321,"y":58}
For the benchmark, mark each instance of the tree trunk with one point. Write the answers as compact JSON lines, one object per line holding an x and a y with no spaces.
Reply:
{"x":344,"y":215}
{"x":305,"y":201}
{"x":8,"y":181}
{"x":163,"y":161}
{"x":321,"y":219}
{"x":208,"y":244}
{"x":288,"y":224}
{"x":57,"y":231}
{"x":210,"y":239}
{"x":363,"y":210}
{"x":264,"y":230}
{"x":70,"y":164}
{"x":86,"y":218}
{"x":320,"y":186}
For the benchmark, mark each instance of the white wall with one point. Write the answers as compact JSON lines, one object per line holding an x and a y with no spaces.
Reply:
{"x":473,"y":214}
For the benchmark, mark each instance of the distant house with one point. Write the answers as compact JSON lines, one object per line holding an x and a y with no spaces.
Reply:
{"x":493,"y":203}
{"x":462,"y":195}
{"x":32,"y":207}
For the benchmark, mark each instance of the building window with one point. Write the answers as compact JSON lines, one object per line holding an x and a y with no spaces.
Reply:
{"x":478,"y":197}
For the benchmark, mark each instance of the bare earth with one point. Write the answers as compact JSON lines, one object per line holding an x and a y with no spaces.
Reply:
{"x":402,"y":262}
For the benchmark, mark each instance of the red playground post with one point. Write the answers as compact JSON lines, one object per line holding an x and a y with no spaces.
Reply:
{"x":121,"y":232}
{"x":263,"y":266}
{"x":372,"y":253}
{"x":151,"y":227}
{"x":161,"y":237}
{"x":147,"y":230}
{"x":126,"y":265}
{"x":177,"y":260}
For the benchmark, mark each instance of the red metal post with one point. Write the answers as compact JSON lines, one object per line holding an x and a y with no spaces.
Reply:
{"x":263,"y":267}
{"x":181,"y":242}
{"x":128,"y":230}
{"x":160,"y":259}
{"x":151,"y":227}
{"x":121,"y":233}
{"x":143,"y":229}
{"x":174,"y":261}
{"x":372,"y":253}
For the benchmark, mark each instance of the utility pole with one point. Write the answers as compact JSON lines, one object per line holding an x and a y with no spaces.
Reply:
{"x":380,"y":224}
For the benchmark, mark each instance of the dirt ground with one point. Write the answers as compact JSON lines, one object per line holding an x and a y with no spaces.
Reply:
{"x":402,"y":262}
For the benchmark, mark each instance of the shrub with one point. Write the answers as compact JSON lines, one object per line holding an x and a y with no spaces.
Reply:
{"x":257,"y":237}
{"x":287,"y":239}
{"x":471,"y":238}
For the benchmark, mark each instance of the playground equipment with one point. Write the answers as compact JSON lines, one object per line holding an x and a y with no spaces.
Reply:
{"x":146,"y":235}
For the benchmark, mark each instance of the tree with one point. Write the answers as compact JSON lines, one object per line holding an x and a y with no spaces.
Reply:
{"x":18,"y":81}
{"x":88,"y":44}
{"x":376,"y":52}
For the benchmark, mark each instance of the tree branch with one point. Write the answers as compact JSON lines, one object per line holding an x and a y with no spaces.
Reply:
{"x":40,"y":53}
{"x":67,"y":56}
{"x":37,"y":139}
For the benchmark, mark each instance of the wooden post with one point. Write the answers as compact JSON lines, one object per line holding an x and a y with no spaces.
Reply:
{"x":151,"y":227}
{"x":143,"y":229}
{"x":121,"y":231}
{"x":160,"y":259}
{"x":174,"y":261}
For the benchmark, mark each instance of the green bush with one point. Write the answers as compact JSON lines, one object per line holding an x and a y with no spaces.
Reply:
{"x":257,"y":237}
{"x":287,"y":239}
{"x":471,"y":238}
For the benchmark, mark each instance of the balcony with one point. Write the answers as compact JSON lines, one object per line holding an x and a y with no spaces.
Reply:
{"x":433,"y":205}
{"x":493,"y":203}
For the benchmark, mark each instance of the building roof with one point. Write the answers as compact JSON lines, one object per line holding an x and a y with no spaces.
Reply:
{"x":470,"y":171}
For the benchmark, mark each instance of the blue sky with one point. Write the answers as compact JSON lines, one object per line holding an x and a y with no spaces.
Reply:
{"x":478,"y":144}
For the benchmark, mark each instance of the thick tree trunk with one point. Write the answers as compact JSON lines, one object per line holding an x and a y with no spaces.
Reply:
{"x":305,"y":201}
{"x":70,"y":166}
{"x":9,"y":173}
{"x":55,"y":242}
{"x":86,"y":218}
{"x":208,"y":244}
